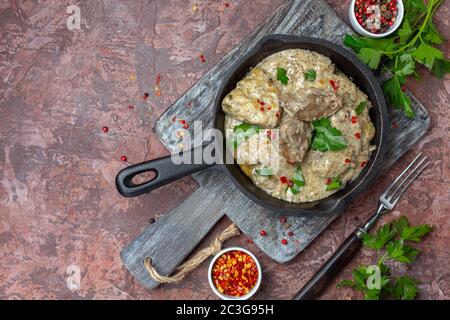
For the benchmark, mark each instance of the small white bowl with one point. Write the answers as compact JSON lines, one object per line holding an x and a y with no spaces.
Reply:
{"x":359,"y":29}
{"x":213,"y":286}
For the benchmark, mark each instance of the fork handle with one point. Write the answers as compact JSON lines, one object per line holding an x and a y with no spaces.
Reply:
{"x":331,"y":268}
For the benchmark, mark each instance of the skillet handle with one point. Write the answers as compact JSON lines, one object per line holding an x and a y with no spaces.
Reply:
{"x":165,"y":171}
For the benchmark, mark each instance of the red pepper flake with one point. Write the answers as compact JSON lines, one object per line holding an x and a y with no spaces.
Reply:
{"x":283,"y":179}
{"x":123,"y":158}
{"x":290,"y":233}
{"x":182,"y":121}
{"x":262,"y":109}
{"x":283,"y":220}
{"x":158,"y":79}
{"x":250,"y":241}
{"x":157,"y":91}
{"x":186,"y":126}
{"x":146,"y":95}
{"x":202,"y":58}
{"x":130,"y":106}
{"x":354,"y":119}
{"x":348,"y":161}
{"x":226,"y":4}
{"x":328,"y":181}
{"x":334,"y":85}
{"x":263,"y":233}
{"x":269,"y":134}
{"x":358,"y":135}
{"x":269,"y":108}
{"x":395,"y":125}
{"x":404,"y":88}
{"x":235,"y":273}
{"x":363,"y":164}
{"x":277,"y":114}
{"x":284,"y":241}
{"x":105,"y":129}
{"x":261,"y":102}
{"x":174,"y":119}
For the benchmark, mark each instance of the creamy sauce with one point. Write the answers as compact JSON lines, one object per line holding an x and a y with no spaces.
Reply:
{"x":260,"y":99}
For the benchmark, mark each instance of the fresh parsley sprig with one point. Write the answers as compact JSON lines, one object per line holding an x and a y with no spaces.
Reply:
{"x":391,"y":242}
{"x":412,"y":43}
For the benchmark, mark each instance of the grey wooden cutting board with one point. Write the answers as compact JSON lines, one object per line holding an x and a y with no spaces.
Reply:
{"x":173,"y":237}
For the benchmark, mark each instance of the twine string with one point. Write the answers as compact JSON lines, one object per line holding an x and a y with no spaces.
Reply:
{"x":185,"y":268}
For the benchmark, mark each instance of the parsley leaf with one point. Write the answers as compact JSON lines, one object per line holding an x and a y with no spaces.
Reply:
{"x":406,"y":65}
{"x":370,"y":56}
{"x":298,"y":180}
{"x":405,"y":288}
{"x":355,"y":42}
{"x":310,"y":75}
{"x":440,"y":68}
{"x":405,"y":31}
{"x":392,"y":88}
{"x":265,"y":172}
{"x":360,"y":108}
{"x":326,"y":137}
{"x":432,"y":35}
{"x":426,"y":54}
{"x":397,"y":250}
{"x":378,"y":241}
{"x":415,"y":233}
{"x":334,"y":184}
{"x":242,"y":132}
{"x":282,"y":76}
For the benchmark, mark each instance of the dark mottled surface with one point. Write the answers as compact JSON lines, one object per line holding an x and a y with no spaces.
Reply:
{"x":59,"y":211}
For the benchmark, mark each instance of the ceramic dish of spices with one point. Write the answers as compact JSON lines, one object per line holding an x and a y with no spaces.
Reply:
{"x":234,"y":274}
{"x":376,"y":18}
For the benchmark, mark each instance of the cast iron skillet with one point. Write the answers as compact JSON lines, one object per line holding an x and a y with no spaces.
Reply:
{"x":165,"y":171}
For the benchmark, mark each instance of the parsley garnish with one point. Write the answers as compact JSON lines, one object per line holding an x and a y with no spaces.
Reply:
{"x":265,"y":172}
{"x":242,"y":132}
{"x":282,"y":76}
{"x":298,"y":180}
{"x":326,"y":137}
{"x":390,"y":241}
{"x":334,"y":184}
{"x":310,"y":75}
{"x":413,"y":42}
{"x":360,"y":108}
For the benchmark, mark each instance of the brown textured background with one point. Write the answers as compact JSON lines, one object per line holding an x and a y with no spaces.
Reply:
{"x":58,"y":203}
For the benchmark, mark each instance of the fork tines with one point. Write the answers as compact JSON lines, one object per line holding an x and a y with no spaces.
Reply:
{"x":399,"y":186}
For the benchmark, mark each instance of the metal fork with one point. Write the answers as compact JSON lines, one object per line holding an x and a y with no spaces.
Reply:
{"x":387,"y":202}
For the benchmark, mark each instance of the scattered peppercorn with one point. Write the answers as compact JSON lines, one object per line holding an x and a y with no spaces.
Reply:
{"x":152,"y":220}
{"x":290,"y":233}
{"x":146,"y":95}
{"x":202,"y":58}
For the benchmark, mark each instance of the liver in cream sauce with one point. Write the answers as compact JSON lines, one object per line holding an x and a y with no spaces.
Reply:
{"x":310,"y":132}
